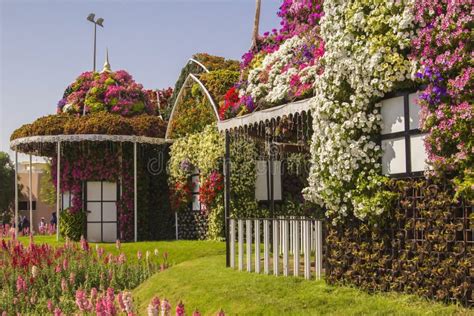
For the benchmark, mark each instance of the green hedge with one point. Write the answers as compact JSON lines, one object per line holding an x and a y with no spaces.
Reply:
{"x":72,"y":225}
{"x":424,"y":247}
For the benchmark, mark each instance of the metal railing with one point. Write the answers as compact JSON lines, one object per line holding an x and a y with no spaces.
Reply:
{"x":284,"y":245}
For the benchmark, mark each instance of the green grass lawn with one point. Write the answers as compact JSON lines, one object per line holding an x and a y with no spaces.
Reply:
{"x":178,"y":251}
{"x":206,"y":284}
{"x":199,"y":278}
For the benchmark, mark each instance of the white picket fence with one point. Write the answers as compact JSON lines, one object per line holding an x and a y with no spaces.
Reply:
{"x":290,"y":246}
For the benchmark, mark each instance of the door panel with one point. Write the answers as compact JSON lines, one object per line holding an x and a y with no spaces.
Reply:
{"x":109,"y":232}
{"x":101,"y":204}
{"x":109,"y":212}
{"x":94,"y":232}
{"x":93,"y":190}
{"x":109,"y":190}
{"x":94,"y":210}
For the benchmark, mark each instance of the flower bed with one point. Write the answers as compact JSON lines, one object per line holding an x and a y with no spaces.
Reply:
{"x":40,"y":279}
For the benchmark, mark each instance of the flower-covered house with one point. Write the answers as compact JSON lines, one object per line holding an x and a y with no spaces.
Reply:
{"x":107,"y":149}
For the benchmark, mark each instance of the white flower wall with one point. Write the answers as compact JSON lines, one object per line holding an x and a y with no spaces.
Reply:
{"x":366,"y":46}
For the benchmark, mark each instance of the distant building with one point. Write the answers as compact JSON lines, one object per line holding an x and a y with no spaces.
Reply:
{"x":40,"y":208}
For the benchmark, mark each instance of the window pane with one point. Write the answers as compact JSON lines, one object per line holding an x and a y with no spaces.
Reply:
{"x":196,"y":203}
{"x":66,"y":199}
{"x":261,"y":188}
{"x":393,"y":159}
{"x":93,"y":232}
{"x":418,"y":153}
{"x":109,"y":191}
{"x":109,"y":211}
{"x":414,"y":110}
{"x":94,"y":211}
{"x":393,"y":115}
{"x":195,"y":184}
{"x":93,"y":191}
{"x":109,"y":232}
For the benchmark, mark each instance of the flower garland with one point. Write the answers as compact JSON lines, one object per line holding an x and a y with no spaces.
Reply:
{"x":443,"y":48}
{"x":365,"y":43}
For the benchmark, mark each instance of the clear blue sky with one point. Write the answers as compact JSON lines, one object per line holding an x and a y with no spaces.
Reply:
{"x":45,"y":45}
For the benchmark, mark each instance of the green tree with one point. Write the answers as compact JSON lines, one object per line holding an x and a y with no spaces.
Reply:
{"x":48,"y":190}
{"x":7,"y":186}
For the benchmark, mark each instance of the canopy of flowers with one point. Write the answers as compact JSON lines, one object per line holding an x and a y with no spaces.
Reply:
{"x":114,"y":92}
{"x":284,"y":65}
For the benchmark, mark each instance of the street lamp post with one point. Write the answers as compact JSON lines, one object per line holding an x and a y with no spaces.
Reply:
{"x":99,"y":22}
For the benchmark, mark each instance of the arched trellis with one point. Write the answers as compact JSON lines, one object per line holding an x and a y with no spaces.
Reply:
{"x":191,"y":78}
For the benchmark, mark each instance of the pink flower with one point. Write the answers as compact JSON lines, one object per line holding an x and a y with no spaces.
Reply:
{"x":180,"y":309}
{"x":50,"y":306}
{"x":139,"y":255}
{"x":64,"y":286}
{"x":165,"y":307}
{"x":58,"y":312}
{"x":20,"y":285}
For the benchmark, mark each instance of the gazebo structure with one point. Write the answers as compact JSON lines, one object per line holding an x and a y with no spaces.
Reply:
{"x":98,"y":158}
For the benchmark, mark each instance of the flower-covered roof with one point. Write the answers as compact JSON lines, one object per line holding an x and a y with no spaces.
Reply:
{"x":114,"y":105}
{"x":114,"y":92}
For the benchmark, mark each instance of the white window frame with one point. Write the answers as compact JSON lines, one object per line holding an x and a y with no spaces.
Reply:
{"x":407,"y":134}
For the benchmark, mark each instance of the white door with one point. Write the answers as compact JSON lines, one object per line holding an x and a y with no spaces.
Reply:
{"x":101,"y":206}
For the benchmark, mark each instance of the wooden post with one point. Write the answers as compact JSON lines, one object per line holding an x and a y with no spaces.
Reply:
{"x":249,"y":245}
{"x":135,"y":193}
{"x":16,"y":196}
{"x":266,"y":246}
{"x":257,"y":245}
{"x":232,"y":243}
{"x":296,"y":250}
{"x":241,"y":244}
{"x":30,"y":194}
{"x":58,"y":188}
{"x":307,"y":252}
{"x":275,"y":246}
{"x":227,"y":195}
{"x":319,"y":249}
{"x":286,"y":268}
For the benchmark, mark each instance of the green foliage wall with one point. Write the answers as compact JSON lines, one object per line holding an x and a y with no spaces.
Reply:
{"x":423,"y":247}
{"x":155,"y":218}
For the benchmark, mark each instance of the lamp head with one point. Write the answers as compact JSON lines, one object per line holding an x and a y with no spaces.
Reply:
{"x":100,"y":21}
{"x":91,"y":17}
